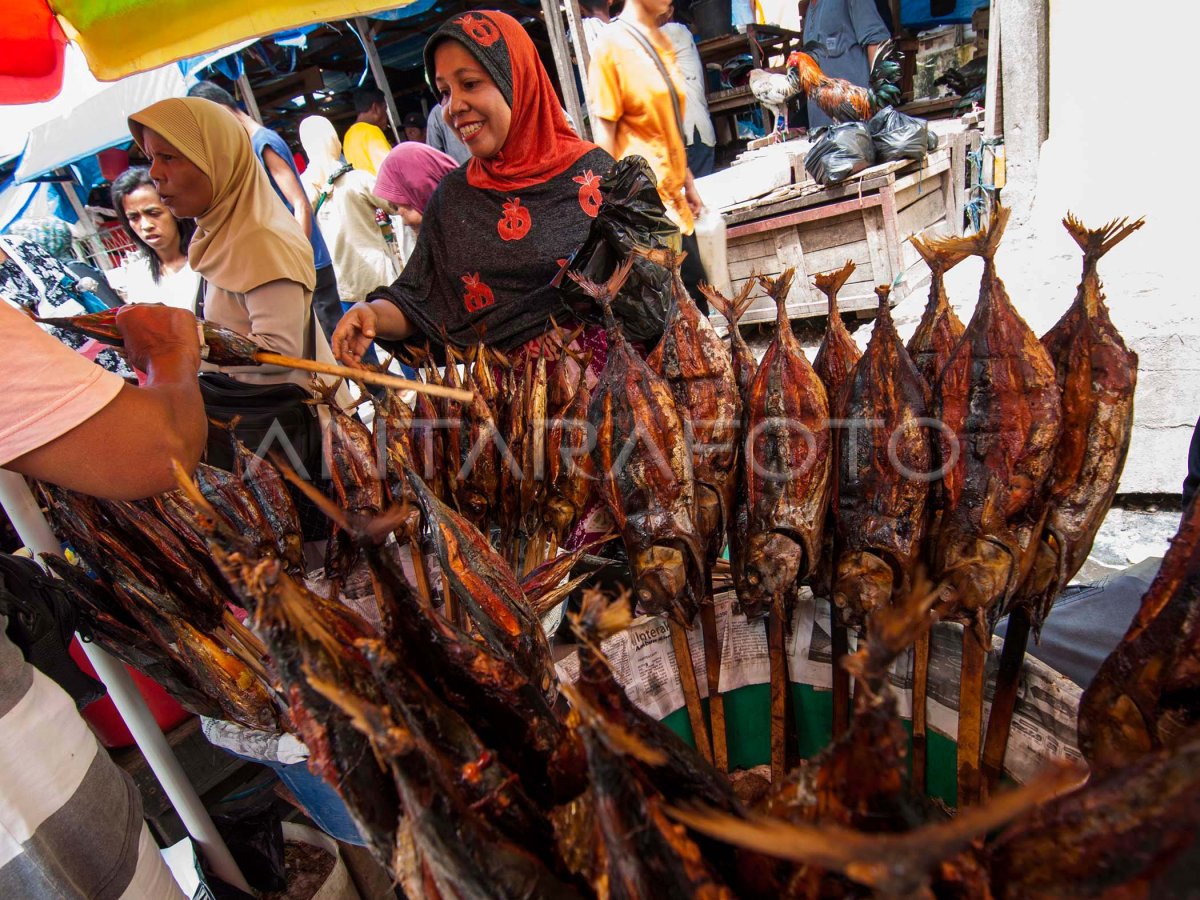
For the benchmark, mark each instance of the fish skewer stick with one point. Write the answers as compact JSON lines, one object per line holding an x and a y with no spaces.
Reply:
{"x":228,"y":348}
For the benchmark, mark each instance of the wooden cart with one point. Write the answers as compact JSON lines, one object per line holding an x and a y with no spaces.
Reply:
{"x":867,"y":219}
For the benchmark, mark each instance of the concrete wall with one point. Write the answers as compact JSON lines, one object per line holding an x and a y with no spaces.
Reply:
{"x":1122,"y":142}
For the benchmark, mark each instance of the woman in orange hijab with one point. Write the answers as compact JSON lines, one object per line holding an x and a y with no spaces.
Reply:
{"x":495,"y":231}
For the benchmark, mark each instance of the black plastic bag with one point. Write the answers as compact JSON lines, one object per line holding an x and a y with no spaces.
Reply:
{"x":631,"y":215}
{"x":900,"y":136}
{"x":255,"y":838}
{"x":839,"y":152}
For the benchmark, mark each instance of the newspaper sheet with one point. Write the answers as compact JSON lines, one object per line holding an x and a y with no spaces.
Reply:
{"x":642,"y":658}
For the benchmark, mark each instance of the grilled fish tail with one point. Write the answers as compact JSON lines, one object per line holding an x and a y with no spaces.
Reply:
{"x":1095,"y":242}
{"x":731,"y":308}
{"x":983,"y":243}
{"x":938,"y":252}
{"x":829,"y":283}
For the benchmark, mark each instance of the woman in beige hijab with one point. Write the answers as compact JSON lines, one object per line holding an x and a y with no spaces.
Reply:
{"x":345,"y":204}
{"x":256,"y":261}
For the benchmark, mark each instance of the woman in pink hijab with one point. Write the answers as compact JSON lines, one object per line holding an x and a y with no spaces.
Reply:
{"x":408,"y":177}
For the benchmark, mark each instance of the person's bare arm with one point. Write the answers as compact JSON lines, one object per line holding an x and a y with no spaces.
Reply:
{"x":872,"y":49}
{"x":292,"y":189}
{"x":692,"y":195}
{"x":125,"y":450}
{"x":604,"y":134}
{"x":363,"y":323}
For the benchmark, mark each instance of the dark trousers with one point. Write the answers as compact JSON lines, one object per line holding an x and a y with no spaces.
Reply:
{"x":692,"y":271}
{"x":325,"y":301}
{"x":702,"y":159}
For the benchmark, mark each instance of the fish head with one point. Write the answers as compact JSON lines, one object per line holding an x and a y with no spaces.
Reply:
{"x":863,"y":584}
{"x":773,"y":563}
{"x":660,"y":578}
{"x":978,"y":574}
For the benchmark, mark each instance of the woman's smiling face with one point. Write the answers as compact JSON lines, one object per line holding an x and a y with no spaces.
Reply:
{"x":474,"y":106}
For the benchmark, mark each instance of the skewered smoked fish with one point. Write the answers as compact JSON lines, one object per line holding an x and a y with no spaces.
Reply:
{"x":993,"y":500}
{"x":645,"y":854}
{"x":1097,"y":376}
{"x":882,"y":488}
{"x":487,"y":588}
{"x":570,"y":471}
{"x":274,"y":502}
{"x":1143,"y":698}
{"x":940,"y":329}
{"x":461,"y":853}
{"x":1006,"y":445}
{"x":222,"y":347}
{"x":744,"y":363}
{"x":231,"y":499}
{"x":698,"y":367}
{"x":787,"y":462}
{"x":479,"y":469}
{"x":1131,"y":833}
{"x":644,"y":464}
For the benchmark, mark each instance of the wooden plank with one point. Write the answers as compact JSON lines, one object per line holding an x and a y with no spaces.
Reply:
{"x":891,"y":227}
{"x":929,"y":209}
{"x":993,"y":107}
{"x":843,"y":230}
{"x":790,"y":254}
{"x":876,"y":247}
{"x":805,"y":215}
{"x":749,"y":268}
{"x":835,"y":258}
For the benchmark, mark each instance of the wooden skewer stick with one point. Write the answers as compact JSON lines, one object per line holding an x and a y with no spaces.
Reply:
{"x":712,"y":669}
{"x":691,"y":690}
{"x":776,"y":629}
{"x":970,"y":716}
{"x":840,"y":637}
{"x":382,"y":379}
{"x":1008,"y":680}
{"x":919,"y":718}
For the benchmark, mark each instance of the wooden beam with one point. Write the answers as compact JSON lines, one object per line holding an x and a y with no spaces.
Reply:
{"x":583,"y":59}
{"x":993,"y":111}
{"x":363,"y":27}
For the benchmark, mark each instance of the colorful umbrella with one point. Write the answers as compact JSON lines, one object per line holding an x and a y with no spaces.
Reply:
{"x":120,"y":37}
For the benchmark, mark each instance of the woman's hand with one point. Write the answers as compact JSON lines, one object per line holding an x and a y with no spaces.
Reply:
{"x":354,"y":334}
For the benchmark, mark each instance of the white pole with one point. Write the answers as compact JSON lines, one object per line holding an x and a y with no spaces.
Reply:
{"x":552,"y":13}
{"x":363,"y":27}
{"x":31,"y":525}
{"x":91,"y":235}
{"x":248,"y":98}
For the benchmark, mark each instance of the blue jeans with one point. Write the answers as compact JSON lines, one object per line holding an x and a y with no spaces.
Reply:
{"x":322,"y":803}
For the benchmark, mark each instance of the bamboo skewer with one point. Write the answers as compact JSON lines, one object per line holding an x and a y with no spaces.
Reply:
{"x":712,"y":669}
{"x":970,"y":716}
{"x":776,"y":628}
{"x":919,"y":717}
{"x":840,"y":638}
{"x":691,"y":690}
{"x":1016,"y":640}
{"x":381,"y":379}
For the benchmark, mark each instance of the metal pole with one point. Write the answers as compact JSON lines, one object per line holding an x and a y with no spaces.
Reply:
{"x":247,"y":93}
{"x":90,"y":234}
{"x":35,"y":533}
{"x":562,"y":62}
{"x":583,"y":59}
{"x":381,"y":80}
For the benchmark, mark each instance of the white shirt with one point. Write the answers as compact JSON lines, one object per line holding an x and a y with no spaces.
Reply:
{"x":177,"y":289}
{"x":687,"y":58}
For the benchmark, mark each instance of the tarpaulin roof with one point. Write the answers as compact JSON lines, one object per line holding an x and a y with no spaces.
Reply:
{"x":121,"y":37}
{"x":918,"y":14}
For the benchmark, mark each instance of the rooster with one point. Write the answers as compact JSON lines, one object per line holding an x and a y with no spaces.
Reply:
{"x":841,"y":100}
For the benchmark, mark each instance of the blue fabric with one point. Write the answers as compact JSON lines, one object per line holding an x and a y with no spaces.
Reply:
{"x":261,"y":140}
{"x":320,"y":801}
{"x":914,"y":14}
{"x":842,"y":30}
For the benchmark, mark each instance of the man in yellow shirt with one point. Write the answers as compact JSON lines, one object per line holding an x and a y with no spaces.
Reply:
{"x":635,"y":112}
{"x":364,"y":144}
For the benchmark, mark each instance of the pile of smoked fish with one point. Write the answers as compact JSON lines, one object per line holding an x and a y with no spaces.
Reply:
{"x":438,"y":715}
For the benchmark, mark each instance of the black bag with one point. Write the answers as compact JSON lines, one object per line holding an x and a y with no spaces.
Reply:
{"x":839,"y":152}
{"x":899,"y":136}
{"x":41,"y":622}
{"x":632,"y":215}
{"x":270,"y":417}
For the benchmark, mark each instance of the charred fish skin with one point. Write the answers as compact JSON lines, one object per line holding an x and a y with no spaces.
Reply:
{"x":1006,"y":448}
{"x":569,"y":462}
{"x":644,"y":463}
{"x":1131,"y":832}
{"x":882,"y":475}
{"x":787,"y":457}
{"x":1097,"y":375}
{"x":940,"y":328}
{"x":1143,"y":697}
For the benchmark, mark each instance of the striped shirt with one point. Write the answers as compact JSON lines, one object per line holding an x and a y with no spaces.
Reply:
{"x":70,"y":819}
